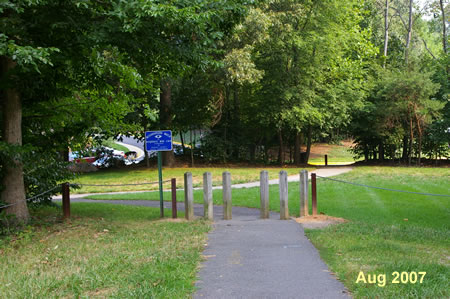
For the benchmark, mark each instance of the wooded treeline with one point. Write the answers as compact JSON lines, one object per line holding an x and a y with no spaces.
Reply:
{"x":298,"y":72}
{"x":258,"y":76}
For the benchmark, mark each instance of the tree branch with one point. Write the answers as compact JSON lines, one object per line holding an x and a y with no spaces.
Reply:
{"x":426,"y":47}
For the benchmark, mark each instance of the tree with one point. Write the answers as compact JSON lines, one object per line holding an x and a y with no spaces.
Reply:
{"x":403,"y":106}
{"x":444,"y":26}
{"x":12,"y":135}
{"x":314,"y":65}
{"x":93,"y":63}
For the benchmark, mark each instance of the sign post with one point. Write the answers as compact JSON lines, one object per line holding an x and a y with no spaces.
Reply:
{"x":159,"y":141}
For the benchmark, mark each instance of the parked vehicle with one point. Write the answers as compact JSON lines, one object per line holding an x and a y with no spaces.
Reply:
{"x":78,"y":157}
{"x":108,"y":157}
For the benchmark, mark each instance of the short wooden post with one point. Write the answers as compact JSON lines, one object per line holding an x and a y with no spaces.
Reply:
{"x":284,"y":209}
{"x":314,"y":194}
{"x":66,"y":199}
{"x":174,"y":198}
{"x":304,"y":193}
{"x":264,"y":193}
{"x":188,"y":196}
{"x":326,"y":160}
{"x":207,"y":196}
{"x":226,"y":193}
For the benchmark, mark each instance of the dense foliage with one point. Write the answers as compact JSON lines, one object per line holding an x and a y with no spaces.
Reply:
{"x":75,"y":69}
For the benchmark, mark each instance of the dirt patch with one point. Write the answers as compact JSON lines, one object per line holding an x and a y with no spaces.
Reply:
{"x":321,"y":149}
{"x":177,"y":220}
{"x":319,"y":221}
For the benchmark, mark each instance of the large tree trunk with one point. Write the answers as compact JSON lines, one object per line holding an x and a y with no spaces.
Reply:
{"x":13,"y":193}
{"x":444,"y":27}
{"x":308,"y":143}
{"x":165,"y":118}
{"x":386,"y":32}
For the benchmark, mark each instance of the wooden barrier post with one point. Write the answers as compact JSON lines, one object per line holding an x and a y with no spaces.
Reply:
{"x":226,"y":193}
{"x":66,"y":200}
{"x":264,"y":194}
{"x":207,"y":196}
{"x":284,"y":210}
{"x":314,"y":194}
{"x":303,"y":193}
{"x":188,"y":196}
{"x":174,"y":198}
{"x":326,"y":160}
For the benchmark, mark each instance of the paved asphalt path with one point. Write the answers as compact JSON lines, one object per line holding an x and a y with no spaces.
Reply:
{"x":248,"y":257}
{"x":254,"y":258}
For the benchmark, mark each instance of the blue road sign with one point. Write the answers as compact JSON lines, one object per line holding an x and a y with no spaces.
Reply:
{"x":158,"y":140}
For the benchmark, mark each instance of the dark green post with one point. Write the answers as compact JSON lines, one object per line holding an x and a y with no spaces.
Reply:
{"x":161,"y":200}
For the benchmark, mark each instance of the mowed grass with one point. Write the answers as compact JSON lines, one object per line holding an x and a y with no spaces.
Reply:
{"x":146,"y":175}
{"x":104,"y":251}
{"x":387,"y":231}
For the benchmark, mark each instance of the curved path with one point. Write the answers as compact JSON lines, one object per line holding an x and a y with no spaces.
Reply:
{"x":248,"y":257}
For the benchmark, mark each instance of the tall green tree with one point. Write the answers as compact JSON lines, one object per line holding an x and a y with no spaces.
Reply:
{"x":69,"y":66}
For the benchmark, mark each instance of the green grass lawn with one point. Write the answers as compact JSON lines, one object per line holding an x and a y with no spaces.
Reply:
{"x":143,"y":175}
{"x":103,"y":251}
{"x":386,"y":232}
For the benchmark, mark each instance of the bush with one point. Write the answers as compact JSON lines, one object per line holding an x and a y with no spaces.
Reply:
{"x":214,"y":149}
{"x":43,"y":172}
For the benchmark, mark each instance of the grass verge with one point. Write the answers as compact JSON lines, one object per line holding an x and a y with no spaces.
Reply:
{"x":144,"y":175}
{"x":387,"y":232}
{"x":104,"y":251}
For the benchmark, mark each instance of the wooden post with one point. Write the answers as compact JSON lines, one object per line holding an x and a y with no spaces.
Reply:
{"x":314,"y":194}
{"x":188,"y":196}
{"x":303,"y":193}
{"x":226,"y":193}
{"x":264,"y":194}
{"x":326,"y":160}
{"x":174,"y":198}
{"x":207,"y":196}
{"x":66,"y":200}
{"x":284,"y":210}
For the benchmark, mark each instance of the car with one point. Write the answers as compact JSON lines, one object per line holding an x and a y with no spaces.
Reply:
{"x":78,"y":157}
{"x":108,"y":157}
